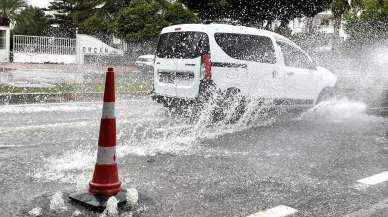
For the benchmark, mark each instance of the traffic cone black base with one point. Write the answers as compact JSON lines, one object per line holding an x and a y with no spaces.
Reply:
{"x":98,"y":202}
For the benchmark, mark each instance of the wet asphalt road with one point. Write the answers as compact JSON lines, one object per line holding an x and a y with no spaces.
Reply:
{"x":310,"y":162}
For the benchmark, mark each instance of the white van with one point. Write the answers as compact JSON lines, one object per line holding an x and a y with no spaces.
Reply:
{"x":254,"y":63}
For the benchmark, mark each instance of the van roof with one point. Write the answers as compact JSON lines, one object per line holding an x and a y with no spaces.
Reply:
{"x":214,"y":27}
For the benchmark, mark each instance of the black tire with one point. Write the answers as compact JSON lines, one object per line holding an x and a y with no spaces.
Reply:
{"x":326,"y":94}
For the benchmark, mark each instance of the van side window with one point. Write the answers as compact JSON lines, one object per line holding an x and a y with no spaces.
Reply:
{"x":294,"y":57}
{"x":247,"y":47}
{"x":182,"y":45}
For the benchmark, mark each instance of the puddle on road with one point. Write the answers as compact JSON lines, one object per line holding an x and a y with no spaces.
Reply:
{"x":152,"y":131}
{"x":147,"y":132}
{"x":54,"y":107}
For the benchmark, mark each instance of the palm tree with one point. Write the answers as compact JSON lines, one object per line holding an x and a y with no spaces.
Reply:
{"x":8,"y":9}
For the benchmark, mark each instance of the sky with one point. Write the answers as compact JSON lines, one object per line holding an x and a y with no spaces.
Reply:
{"x":39,"y":3}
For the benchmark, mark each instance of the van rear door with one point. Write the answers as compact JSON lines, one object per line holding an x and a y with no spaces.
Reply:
{"x":178,"y":62}
{"x":164,"y":68}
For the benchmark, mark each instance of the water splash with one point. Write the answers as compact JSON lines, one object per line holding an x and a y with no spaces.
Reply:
{"x":132,"y":196}
{"x":57,"y":203}
{"x":339,"y":110}
{"x":37,"y":211}
{"x":74,"y":166}
{"x":111,"y":209}
{"x":154,"y":132}
{"x":76,"y":213}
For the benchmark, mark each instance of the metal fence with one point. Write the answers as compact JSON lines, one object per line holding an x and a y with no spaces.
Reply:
{"x":44,"y":45}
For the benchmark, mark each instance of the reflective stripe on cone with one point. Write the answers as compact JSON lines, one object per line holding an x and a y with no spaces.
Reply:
{"x":108,"y":110}
{"x":106,"y":155}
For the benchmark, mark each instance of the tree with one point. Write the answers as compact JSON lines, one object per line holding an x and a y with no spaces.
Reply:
{"x":338,"y":8}
{"x":144,"y":19}
{"x":256,"y":12}
{"x":140,"y":20}
{"x":175,"y":13}
{"x":70,"y":14}
{"x":368,"y":24}
{"x":31,"y":21}
{"x":8,"y":9}
{"x":62,"y":16}
{"x":208,"y":9}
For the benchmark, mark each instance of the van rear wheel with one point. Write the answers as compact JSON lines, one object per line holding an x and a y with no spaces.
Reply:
{"x":231,"y":106}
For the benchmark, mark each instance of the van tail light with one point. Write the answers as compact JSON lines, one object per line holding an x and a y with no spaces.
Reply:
{"x":206,"y":66}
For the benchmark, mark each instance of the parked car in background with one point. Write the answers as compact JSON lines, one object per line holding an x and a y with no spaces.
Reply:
{"x":236,"y":61}
{"x":145,"y":63}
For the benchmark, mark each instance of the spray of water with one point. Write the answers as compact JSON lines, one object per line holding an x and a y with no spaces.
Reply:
{"x":339,"y":110}
{"x":132,"y":196}
{"x":76,"y":213}
{"x":57,"y":203}
{"x":37,"y":211}
{"x":111,"y":209}
{"x":156,"y":131}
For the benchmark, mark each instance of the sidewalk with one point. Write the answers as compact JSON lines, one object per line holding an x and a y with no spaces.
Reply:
{"x":66,"y":67}
{"x":38,"y":83}
{"x":29,"y":98}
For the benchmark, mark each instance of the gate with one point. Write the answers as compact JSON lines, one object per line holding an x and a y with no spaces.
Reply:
{"x":40,"y":49}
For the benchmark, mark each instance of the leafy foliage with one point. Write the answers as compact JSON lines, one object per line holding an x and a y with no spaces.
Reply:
{"x":140,"y":20}
{"x":176,"y":14}
{"x":368,"y":22}
{"x":209,"y":9}
{"x":129,"y":19}
{"x":31,"y":21}
{"x":8,"y":10}
{"x":254,"y":12}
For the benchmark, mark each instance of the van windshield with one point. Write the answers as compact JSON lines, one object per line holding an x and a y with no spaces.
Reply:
{"x":182,"y":45}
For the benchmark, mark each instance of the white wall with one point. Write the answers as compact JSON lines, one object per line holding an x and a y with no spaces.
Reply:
{"x":88,"y":45}
{"x":43,"y":58}
{"x":4,"y":53}
{"x":28,"y":50}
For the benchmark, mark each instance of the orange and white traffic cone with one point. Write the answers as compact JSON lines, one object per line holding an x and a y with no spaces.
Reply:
{"x":105,"y":181}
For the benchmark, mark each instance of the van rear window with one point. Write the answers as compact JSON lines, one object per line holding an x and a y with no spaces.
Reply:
{"x":247,"y":47}
{"x":182,"y":45}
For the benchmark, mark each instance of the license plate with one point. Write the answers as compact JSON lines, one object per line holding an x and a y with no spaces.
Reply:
{"x":167,"y":77}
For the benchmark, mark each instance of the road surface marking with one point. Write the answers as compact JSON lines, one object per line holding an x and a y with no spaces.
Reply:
{"x":375,"y":179}
{"x":368,"y":212}
{"x":278,"y":211}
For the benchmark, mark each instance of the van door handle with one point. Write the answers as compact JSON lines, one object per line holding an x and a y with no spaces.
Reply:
{"x":290,"y":73}
{"x":158,"y":63}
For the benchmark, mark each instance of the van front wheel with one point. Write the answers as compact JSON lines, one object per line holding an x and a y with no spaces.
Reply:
{"x":326,"y":94}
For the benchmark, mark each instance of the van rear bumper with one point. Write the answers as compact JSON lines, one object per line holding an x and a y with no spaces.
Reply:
{"x":206,"y":89}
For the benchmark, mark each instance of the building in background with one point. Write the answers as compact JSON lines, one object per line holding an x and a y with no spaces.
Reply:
{"x":4,"y":43}
{"x":321,"y":23}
